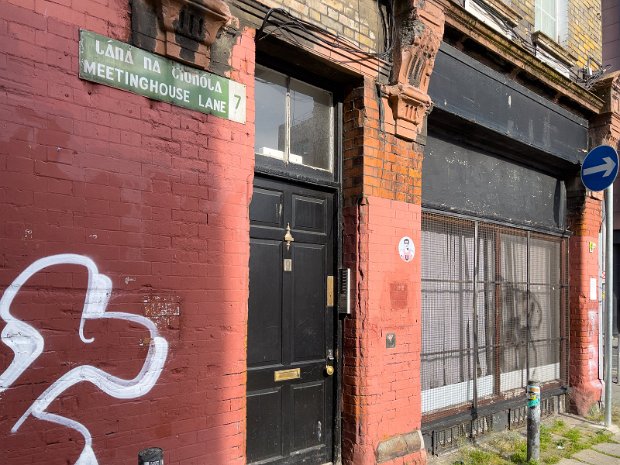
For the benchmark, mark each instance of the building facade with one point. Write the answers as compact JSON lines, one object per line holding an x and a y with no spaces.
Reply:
{"x":611,"y":34}
{"x":611,"y":60}
{"x":294,"y":232}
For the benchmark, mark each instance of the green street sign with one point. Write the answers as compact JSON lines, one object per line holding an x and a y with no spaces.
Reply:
{"x":117,"y":64}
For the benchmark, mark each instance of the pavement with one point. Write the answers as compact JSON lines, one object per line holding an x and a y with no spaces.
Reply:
{"x":607,"y":453}
{"x":598,"y":455}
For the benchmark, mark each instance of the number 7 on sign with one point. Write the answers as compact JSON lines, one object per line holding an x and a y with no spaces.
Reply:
{"x":236,"y":102}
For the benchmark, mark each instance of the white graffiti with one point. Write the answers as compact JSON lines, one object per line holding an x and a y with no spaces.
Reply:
{"x":27,"y":344}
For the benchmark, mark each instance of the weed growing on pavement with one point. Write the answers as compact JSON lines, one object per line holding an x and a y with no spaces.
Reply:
{"x":478,"y":457}
{"x":557,"y":441}
{"x":597,"y":415}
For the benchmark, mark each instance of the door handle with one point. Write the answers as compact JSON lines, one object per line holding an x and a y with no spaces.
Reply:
{"x":329,"y":370}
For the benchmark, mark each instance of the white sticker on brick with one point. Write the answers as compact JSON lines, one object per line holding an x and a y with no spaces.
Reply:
{"x":593,"y":286}
{"x":406,"y":249}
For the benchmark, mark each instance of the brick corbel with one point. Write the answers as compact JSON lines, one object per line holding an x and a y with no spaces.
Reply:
{"x":605,"y":127}
{"x":181,"y":29}
{"x":420,"y":30}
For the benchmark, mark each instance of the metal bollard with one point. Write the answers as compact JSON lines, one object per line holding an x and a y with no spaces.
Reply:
{"x":151,"y":456}
{"x":533,"y":420}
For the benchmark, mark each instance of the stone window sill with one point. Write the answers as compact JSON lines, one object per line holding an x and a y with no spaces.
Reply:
{"x":546,"y":43}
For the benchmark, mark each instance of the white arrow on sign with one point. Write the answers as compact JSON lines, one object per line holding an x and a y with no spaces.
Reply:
{"x":608,"y":167}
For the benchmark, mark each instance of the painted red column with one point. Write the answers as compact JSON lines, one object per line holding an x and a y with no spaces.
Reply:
{"x":585,"y":386}
{"x":585,"y":220}
{"x":383,"y":336}
{"x":382,"y":188}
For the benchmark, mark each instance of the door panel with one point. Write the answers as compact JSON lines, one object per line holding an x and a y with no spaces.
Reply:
{"x":290,"y":327}
{"x":309,"y":299}
{"x":265,"y":207}
{"x":309,"y":214}
{"x":264,"y":341}
{"x":309,"y":416}
{"x":265,"y":423}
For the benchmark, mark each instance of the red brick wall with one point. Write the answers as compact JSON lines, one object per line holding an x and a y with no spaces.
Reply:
{"x":157,"y":197}
{"x":381,"y":386}
{"x":375,"y":161}
{"x":584,"y":315}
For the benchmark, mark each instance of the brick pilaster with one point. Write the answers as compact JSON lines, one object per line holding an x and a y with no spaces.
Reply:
{"x":382,"y":189}
{"x":584,"y":315}
{"x":383,"y":205}
{"x":585,"y":219}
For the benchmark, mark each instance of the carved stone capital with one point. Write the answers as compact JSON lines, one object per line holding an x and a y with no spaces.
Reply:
{"x":409,"y":108}
{"x":197,"y":20}
{"x":181,"y":29}
{"x":420,"y":29}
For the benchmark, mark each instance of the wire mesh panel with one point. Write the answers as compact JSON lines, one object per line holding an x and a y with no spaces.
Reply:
{"x":494,"y":310}
{"x":512,"y":281}
{"x":447,"y":302}
{"x":544,"y":310}
{"x":486,"y":301}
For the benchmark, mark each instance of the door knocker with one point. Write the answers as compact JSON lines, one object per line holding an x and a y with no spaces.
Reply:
{"x":288,"y":237}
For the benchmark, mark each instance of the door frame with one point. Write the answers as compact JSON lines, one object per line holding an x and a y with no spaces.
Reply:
{"x":334,"y":186}
{"x":333,"y":329}
{"x":337,"y":319}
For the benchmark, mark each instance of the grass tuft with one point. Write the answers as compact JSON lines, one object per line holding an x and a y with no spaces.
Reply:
{"x":557,"y":441}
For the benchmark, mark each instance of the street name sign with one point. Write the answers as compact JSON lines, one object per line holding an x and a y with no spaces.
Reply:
{"x":123,"y":66}
{"x":600,"y":168}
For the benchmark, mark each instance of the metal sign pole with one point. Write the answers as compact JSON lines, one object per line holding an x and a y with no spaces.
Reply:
{"x":609,"y":279}
{"x":598,"y":172}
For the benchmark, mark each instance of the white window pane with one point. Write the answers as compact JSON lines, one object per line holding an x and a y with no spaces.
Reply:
{"x":270,"y":112}
{"x":548,"y":6}
{"x":311,"y":126}
{"x":546,"y":17}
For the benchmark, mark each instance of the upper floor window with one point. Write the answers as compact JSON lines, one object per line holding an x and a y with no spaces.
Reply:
{"x":294,"y":121}
{"x":550,"y":18}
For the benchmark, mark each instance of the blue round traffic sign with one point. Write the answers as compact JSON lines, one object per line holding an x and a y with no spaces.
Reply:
{"x":599,"y":168}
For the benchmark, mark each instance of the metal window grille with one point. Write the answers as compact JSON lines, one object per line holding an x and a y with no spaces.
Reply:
{"x":494,"y":311}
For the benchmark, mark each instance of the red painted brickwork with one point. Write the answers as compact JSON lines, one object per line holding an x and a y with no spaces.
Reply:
{"x":380,"y":383}
{"x":584,"y":316}
{"x":382,"y":194}
{"x":157,"y":197}
{"x":585,"y":221}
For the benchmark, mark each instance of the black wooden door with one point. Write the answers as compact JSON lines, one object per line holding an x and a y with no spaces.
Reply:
{"x":290,"y":390}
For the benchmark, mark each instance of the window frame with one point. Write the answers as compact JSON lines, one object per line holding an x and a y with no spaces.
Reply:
{"x":283,"y":167}
{"x":559,"y":17}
